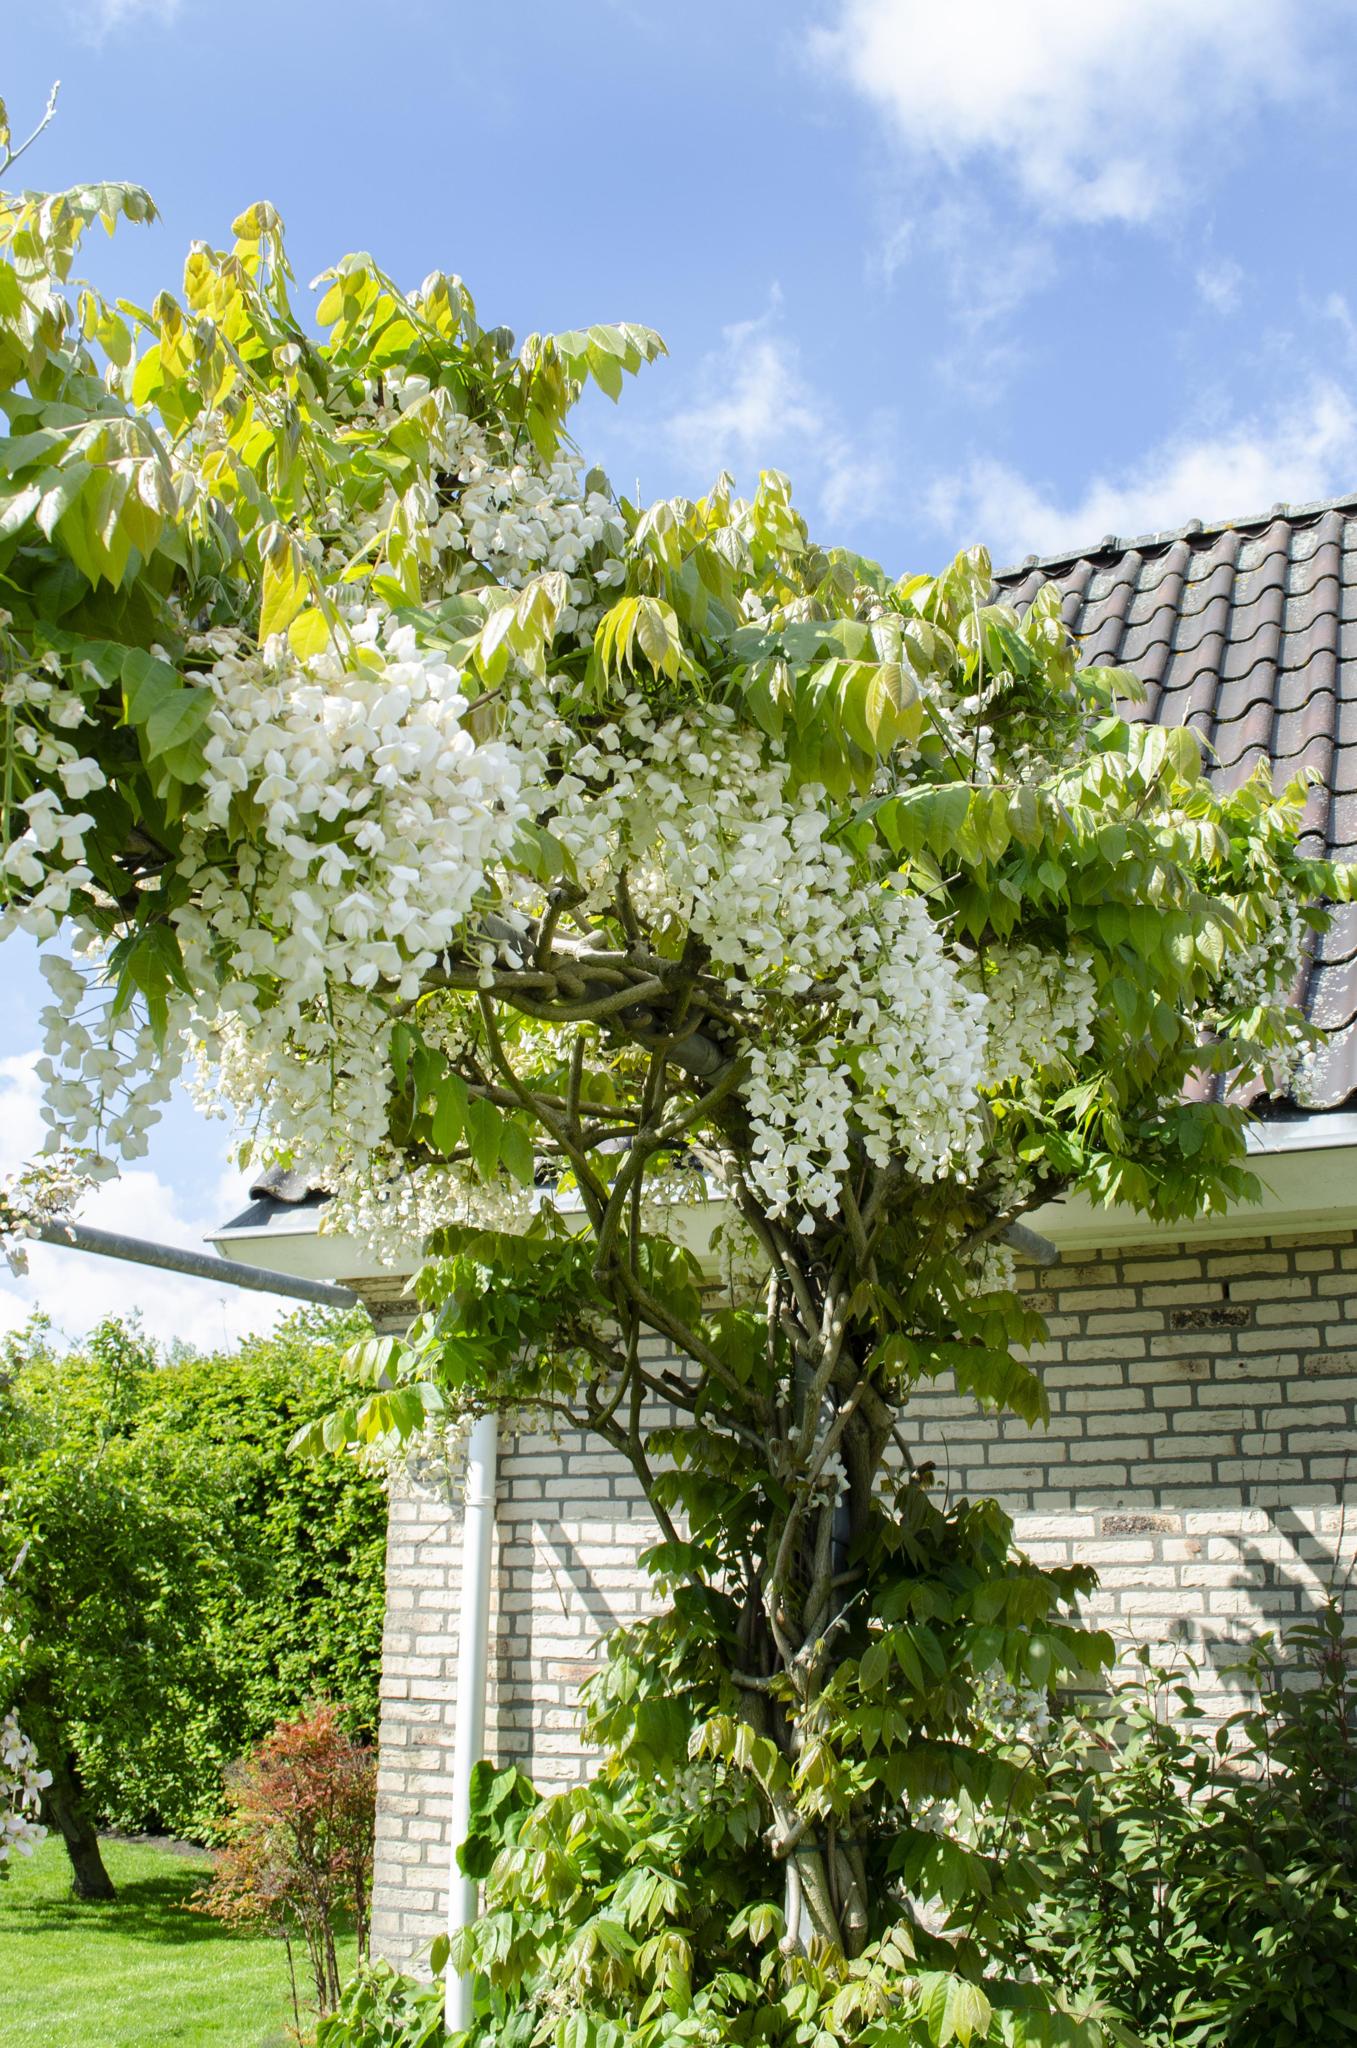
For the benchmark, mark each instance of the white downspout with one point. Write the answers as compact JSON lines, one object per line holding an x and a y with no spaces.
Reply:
{"x":473,"y":1671}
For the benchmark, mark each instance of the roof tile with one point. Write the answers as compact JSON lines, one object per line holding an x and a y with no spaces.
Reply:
{"x":1246,"y":630}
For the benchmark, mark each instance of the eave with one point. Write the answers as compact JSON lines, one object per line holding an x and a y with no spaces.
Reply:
{"x":1307,"y":1166}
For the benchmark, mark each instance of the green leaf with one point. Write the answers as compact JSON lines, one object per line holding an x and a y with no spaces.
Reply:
{"x":484,"y":1125}
{"x":149,"y":963}
{"x":875,"y":1666}
{"x":894,"y":713}
{"x":657,"y":636}
{"x":953,"y":2009}
{"x":147,"y":682}
{"x":494,"y":646}
{"x":309,"y":634}
{"x":284,"y":590}
{"x":450,"y":1113}
{"x":177,"y":719}
{"x":17,"y":508}
{"x":516,"y":1151}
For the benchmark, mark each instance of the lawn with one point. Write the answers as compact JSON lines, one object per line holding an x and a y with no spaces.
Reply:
{"x":136,"y":1972}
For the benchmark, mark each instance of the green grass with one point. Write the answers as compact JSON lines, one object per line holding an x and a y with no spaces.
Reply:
{"x":139,"y":1971}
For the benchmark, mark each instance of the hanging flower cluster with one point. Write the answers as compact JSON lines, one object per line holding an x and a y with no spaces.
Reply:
{"x":105,"y":1070}
{"x":1264,"y":970}
{"x":22,"y":1785}
{"x":900,"y":1067}
{"x":428,"y":713}
{"x":42,"y":1193}
{"x":22,"y":1781}
{"x":485,"y":498}
{"x":859,"y":1024}
{"x":47,"y":777}
{"x":1037,"y":1009}
{"x":519,"y":516}
{"x":376,"y":821}
{"x":1260,"y":979}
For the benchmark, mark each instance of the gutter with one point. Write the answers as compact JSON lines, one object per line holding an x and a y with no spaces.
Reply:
{"x":1328,"y":1130}
{"x":139,"y":1251}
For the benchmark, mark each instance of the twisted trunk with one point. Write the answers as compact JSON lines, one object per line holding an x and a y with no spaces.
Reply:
{"x":831,"y":1456}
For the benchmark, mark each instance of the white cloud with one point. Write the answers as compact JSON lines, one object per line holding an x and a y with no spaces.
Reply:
{"x":988,"y":273}
{"x":750,"y":394}
{"x":751,"y":408}
{"x":1337,"y":309}
{"x":1095,"y":108}
{"x":101,"y":18}
{"x":1221,"y":284}
{"x":77,"y":1289}
{"x":854,"y":485}
{"x":1308,"y":451}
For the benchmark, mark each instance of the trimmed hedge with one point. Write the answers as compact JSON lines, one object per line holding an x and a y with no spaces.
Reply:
{"x":260,"y":1583}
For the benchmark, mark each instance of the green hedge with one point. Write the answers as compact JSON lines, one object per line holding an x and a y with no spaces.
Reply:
{"x":189,"y":1582}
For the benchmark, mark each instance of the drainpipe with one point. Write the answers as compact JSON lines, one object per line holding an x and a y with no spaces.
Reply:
{"x":473,"y":1671}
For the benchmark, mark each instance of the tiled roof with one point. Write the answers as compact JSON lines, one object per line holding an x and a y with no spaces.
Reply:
{"x":1246,"y":631}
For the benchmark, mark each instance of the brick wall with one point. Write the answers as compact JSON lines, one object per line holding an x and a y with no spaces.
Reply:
{"x":1201,"y":1434}
{"x":1202,"y":1412}
{"x":570,"y":1526}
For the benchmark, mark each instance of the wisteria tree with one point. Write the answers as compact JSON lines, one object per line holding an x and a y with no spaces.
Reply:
{"x":528,"y":867}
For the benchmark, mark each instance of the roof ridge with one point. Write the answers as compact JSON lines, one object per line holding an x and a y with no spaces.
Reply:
{"x":1112,"y":545}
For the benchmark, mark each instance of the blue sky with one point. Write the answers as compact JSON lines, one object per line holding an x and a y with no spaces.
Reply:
{"x":1027,"y":274}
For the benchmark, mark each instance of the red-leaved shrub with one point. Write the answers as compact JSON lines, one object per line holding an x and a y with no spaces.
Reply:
{"x":299,"y":1842}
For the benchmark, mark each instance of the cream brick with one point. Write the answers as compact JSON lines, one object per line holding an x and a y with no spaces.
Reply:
{"x":1072,"y":1299}
{"x":1030,"y":1527}
{"x":1213,"y":1420}
{"x":1284,"y":1344}
{"x":1290,"y":1287}
{"x":1109,"y":1400}
{"x":1112,"y":1577}
{"x":1158,"y":1270}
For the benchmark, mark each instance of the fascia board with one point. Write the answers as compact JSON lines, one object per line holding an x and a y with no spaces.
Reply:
{"x":1307,"y":1166}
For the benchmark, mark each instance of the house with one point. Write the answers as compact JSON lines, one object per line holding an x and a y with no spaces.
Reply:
{"x":1202,"y":1379}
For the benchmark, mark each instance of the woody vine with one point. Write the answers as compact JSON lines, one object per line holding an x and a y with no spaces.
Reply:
{"x":540,"y":872}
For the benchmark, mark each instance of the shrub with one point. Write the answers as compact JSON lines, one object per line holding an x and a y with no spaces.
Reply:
{"x":109,"y":1652}
{"x":1202,"y":1880}
{"x":1192,"y":1885}
{"x":299,"y":1843}
{"x":189,"y":1584}
{"x":382,"y":2009}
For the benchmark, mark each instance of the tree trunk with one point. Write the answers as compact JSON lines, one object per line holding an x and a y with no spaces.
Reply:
{"x":64,"y":1808}
{"x":829,"y":1465}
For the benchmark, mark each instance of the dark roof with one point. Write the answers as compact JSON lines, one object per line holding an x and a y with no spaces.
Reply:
{"x":280,"y":1184}
{"x":1247,"y":632}
{"x":276,"y":1192}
